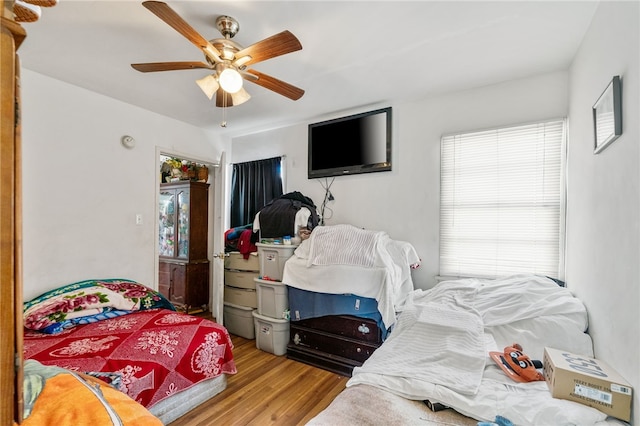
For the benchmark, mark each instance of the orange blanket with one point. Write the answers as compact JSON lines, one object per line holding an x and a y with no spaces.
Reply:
{"x":72,"y":399}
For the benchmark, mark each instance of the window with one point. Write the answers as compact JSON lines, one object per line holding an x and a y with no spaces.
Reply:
{"x":254,"y":184}
{"x":502,"y":201}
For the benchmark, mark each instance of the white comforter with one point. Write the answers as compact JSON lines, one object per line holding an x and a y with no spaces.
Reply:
{"x":343,"y":259}
{"x":439,"y":348}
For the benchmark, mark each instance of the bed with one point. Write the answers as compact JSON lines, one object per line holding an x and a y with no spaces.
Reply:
{"x":344,"y":284}
{"x":131,"y":337}
{"x":344,"y":259}
{"x":439,"y":352}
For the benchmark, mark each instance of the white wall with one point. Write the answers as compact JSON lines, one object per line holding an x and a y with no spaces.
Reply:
{"x":405,"y":202}
{"x":603,"y":237}
{"x":82,"y":188}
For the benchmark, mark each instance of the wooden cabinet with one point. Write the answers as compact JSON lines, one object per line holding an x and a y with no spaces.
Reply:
{"x":186,"y":285}
{"x":183,"y":220}
{"x":183,"y":232}
{"x":336,"y":343}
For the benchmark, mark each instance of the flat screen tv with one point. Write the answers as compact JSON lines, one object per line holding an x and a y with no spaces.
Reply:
{"x":359,"y":143}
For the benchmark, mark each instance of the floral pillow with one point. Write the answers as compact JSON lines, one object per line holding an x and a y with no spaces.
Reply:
{"x":89,"y":301}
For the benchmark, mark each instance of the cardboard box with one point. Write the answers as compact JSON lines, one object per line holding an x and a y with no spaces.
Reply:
{"x":588,"y":381}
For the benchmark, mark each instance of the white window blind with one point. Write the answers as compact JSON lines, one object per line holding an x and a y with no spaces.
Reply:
{"x":501,"y":201}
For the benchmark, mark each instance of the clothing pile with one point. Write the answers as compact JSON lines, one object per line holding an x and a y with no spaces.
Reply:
{"x":286,"y":216}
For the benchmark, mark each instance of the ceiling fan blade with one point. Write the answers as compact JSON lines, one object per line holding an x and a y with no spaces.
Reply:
{"x":278,"y":86}
{"x":224,"y":99}
{"x":168,"y":15}
{"x":276,"y":45}
{"x":170,"y":66}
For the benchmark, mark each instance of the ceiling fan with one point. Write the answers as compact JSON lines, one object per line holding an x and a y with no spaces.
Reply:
{"x":227,"y":59}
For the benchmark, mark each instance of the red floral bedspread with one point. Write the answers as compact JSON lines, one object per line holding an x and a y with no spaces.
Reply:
{"x":157,"y":352}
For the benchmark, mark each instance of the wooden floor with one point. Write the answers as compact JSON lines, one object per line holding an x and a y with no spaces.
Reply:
{"x":267,"y":390}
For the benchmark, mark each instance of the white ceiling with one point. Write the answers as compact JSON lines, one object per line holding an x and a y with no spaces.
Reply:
{"x":355,"y":53}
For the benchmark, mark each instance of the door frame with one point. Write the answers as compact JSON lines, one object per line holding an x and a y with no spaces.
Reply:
{"x":220,"y":224}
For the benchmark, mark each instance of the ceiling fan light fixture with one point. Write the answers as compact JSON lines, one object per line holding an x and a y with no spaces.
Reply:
{"x":230,"y":80}
{"x":209,"y":85}
{"x":228,"y":59}
{"x":226,"y":100}
{"x":240,"y":97}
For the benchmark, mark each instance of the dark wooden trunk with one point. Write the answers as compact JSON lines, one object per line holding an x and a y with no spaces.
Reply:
{"x":336,"y":343}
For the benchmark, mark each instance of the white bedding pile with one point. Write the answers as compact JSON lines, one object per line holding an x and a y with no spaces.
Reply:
{"x":445,"y":334}
{"x":439,"y":348}
{"x":344,"y":245}
{"x":343,"y":259}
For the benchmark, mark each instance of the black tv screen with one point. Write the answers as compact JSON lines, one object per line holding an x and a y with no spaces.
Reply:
{"x":359,"y":143}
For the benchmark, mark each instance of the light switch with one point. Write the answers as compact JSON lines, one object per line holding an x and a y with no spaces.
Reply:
{"x":139,"y":219}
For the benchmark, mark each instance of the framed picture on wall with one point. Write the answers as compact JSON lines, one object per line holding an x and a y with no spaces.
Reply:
{"x":607,"y":116}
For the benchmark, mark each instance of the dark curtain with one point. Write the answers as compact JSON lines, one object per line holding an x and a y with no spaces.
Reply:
{"x":253,"y":185}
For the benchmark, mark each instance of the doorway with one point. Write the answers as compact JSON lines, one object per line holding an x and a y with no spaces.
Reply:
{"x":190,"y":167}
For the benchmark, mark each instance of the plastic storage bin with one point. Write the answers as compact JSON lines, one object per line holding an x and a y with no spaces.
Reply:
{"x":240,"y":279}
{"x":273,"y":299}
{"x":239,"y":320}
{"x":272,"y":335}
{"x":272,"y":258}
{"x":240,"y":296}
{"x":236,"y":260}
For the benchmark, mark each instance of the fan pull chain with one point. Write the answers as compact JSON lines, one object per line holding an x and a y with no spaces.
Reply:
{"x":224,"y":109}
